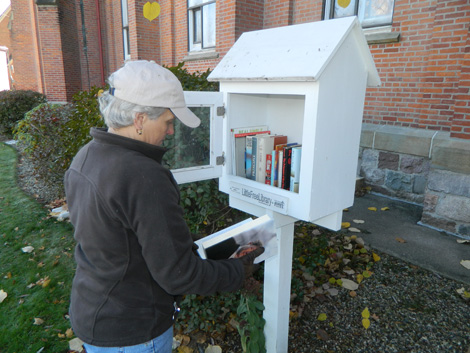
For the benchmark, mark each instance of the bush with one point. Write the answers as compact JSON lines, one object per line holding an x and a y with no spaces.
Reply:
{"x":13,"y":106}
{"x":51,"y":134}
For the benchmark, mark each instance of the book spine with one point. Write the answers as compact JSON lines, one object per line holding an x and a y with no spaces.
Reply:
{"x":254,"y":152}
{"x":295,"y":169}
{"x":239,"y":156}
{"x":286,"y":164}
{"x":274,"y":168}
{"x":279,"y":169}
{"x":269,"y":169}
{"x":248,"y":152}
{"x":244,"y":134}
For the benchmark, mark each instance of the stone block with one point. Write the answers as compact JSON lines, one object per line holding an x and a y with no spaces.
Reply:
{"x":398,"y":181}
{"x":440,"y":223}
{"x":373,"y":175}
{"x":388,"y":160}
{"x":464,"y":229}
{"x":430,"y":202}
{"x":415,"y":142}
{"x":449,"y":183}
{"x":451,"y":154}
{"x":419,"y":184}
{"x":456,"y":208}
{"x":367,"y":136}
{"x":370,"y":158}
{"x":413,"y":165}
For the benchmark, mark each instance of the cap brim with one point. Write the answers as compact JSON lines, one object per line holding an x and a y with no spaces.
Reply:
{"x":186,"y":116}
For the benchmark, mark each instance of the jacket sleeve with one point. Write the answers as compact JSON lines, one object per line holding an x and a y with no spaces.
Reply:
{"x":155,"y":216}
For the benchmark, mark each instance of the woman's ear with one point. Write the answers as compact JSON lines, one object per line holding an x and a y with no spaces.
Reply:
{"x":139,"y":120}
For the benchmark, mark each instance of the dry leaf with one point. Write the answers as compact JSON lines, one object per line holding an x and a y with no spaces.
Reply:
{"x":359,"y":278}
{"x":400,"y":240}
{"x":466,"y":264}
{"x":69,"y":333}
{"x":358,"y":221}
{"x":353,"y":293}
{"x":38,"y":321}
{"x":366,"y":323}
{"x":323,"y":335}
{"x":333,"y":291}
{"x":322,"y":317}
{"x":365,"y":313}
{"x":372,"y":208}
{"x":3,"y":295}
{"x":213,"y":349}
{"x":27,"y":249}
{"x":385,"y":208}
{"x":376,"y":257}
{"x":366,"y":274}
{"x":463,"y":241}
{"x":185,"y":349}
{"x":345,"y":225}
{"x":76,"y":345}
{"x":355,"y":230}
{"x":348,"y":284}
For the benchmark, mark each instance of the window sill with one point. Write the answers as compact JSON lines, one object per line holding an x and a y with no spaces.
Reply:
{"x":381,"y":35}
{"x":201,"y":55}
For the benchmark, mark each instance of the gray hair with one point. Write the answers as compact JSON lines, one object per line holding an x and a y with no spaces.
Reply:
{"x":118,"y":113}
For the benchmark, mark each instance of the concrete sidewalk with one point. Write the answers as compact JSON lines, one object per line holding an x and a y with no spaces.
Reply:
{"x":425,"y":247}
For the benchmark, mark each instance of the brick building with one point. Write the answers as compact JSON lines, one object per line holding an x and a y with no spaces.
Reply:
{"x":416,"y":134}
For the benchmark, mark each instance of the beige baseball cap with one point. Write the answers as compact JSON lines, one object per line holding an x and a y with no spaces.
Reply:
{"x":149,"y":84}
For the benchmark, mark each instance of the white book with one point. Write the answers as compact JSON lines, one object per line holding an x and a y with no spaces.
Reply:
{"x":236,"y":240}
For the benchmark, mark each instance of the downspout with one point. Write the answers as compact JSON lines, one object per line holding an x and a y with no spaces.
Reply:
{"x":100,"y":41}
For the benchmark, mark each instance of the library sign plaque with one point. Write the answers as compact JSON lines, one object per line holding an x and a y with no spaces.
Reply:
{"x":259,"y":197}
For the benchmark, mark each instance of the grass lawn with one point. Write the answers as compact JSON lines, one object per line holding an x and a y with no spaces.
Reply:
{"x":33,"y":316}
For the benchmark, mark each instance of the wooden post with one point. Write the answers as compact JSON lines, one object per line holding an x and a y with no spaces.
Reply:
{"x":277,"y":283}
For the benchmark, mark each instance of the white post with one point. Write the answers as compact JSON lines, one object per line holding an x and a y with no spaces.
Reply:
{"x":277,"y":281}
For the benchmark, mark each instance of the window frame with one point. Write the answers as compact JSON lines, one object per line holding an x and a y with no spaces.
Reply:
{"x":368,"y":24}
{"x":197,"y":44}
{"x":125,"y":30}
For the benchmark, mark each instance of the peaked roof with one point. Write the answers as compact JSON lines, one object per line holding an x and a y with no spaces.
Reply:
{"x":292,"y":53}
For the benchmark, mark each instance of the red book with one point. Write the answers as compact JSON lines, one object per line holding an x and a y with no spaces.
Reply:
{"x":269,"y":168}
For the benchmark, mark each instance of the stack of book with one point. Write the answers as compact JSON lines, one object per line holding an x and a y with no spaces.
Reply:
{"x":266,"y":158}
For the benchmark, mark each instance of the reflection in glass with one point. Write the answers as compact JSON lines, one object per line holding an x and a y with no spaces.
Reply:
{"x":189,"y":147}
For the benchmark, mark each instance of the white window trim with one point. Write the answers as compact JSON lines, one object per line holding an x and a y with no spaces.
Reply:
{"x":125,"y":30}
{"x":197,"y":47}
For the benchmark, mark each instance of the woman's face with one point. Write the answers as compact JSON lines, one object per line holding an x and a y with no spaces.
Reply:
{"x":155,"y":131}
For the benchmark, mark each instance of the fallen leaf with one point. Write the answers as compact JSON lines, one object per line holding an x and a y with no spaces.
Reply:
{"x":367,"y":274}
{"x":321,"y":317}
{"x":213,"y":349}
{"x":333,"y":291}
{"x":323,"y":335}
{"x":365,"y":313}
{"x":69,"y":333}
{"x":38,"y":321}
{"x":366,"y":323}
{"x":358,"y":221}
{"x":355,"y":230}
{"x":348,"y":284}
{"x":185,"y":349}
{"x":76,"y":345}
{"x":463,"y":241}
{"x":385,"y":208}
{"x":353,"y":293}
{"x":359,"y":278}
{"x":27,"y":249}
{"x":400,"y":240}
{"x":349,"y":272}
{"x":376,"y":257}
{"x":345,"y":225}
{"x":3,"y":295}
{"x":372,"y":208}
{"x":466,"y":264}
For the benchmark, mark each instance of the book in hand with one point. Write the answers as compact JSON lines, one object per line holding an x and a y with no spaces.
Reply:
{"x":240,"y":239}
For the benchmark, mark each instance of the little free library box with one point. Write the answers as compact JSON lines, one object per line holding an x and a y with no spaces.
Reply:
{"x":306,"y":83}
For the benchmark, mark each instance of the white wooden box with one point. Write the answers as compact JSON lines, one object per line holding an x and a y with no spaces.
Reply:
{"x":308,"y":82}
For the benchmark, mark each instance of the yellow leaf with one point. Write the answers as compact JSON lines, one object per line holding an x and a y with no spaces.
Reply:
{"x":345,"y":225}
{"x":359,"y":278}
{"x":60,"y":335}
{"x":321,"y":317}
{"x":3,"y":295}
{"x":69,"y":333}
{"x":385,"y":208}
{"x":185,"y":349}
{"x":46,"y":283}
{"x":376,"y":257}
{"x":332,"y":280}
{"x":151,"y":10}
{"x":302,"y":260}
{"x":372,"y":208}
{"x":365,"y":313}
{"x":365,"y":323}
{"x":339,"y":282}
{"x":367,"y":274}
{"x":38,"y":321}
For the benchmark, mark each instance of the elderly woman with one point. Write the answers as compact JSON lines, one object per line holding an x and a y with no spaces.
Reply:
{"x":134,"y":250}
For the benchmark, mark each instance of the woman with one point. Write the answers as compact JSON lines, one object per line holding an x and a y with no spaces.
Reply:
{"x":134,"y":250}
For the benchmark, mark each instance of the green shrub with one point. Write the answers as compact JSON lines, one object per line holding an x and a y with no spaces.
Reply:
{"x":13,"y":106}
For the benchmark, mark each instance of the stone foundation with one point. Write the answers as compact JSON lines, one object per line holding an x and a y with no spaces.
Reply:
{"x":421,"y":166}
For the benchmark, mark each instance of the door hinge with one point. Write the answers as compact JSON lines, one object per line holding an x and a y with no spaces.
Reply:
{"x":220,"y":160}
{"x":221,"y":111}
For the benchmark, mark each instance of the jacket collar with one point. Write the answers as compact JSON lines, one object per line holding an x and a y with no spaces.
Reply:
{"x":101,"y":135}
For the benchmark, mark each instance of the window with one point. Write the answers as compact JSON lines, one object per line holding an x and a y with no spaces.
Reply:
{"x":371,"y":13}
{"x":125,"y":30}
{"x":201,"y":24}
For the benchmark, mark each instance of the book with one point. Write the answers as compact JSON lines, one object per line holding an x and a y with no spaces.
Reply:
{"x":295,"y":168}
{"x":275,"y":162}
{"x":237,"y":240}
{"x":248,"y":157}
{"x":252,"y":153}
{"x":265,"y":146}
{"x":239,"y":144}
{"x":286,"y":166}
{"x":280,"y":157}
{"x":269,"y":168}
